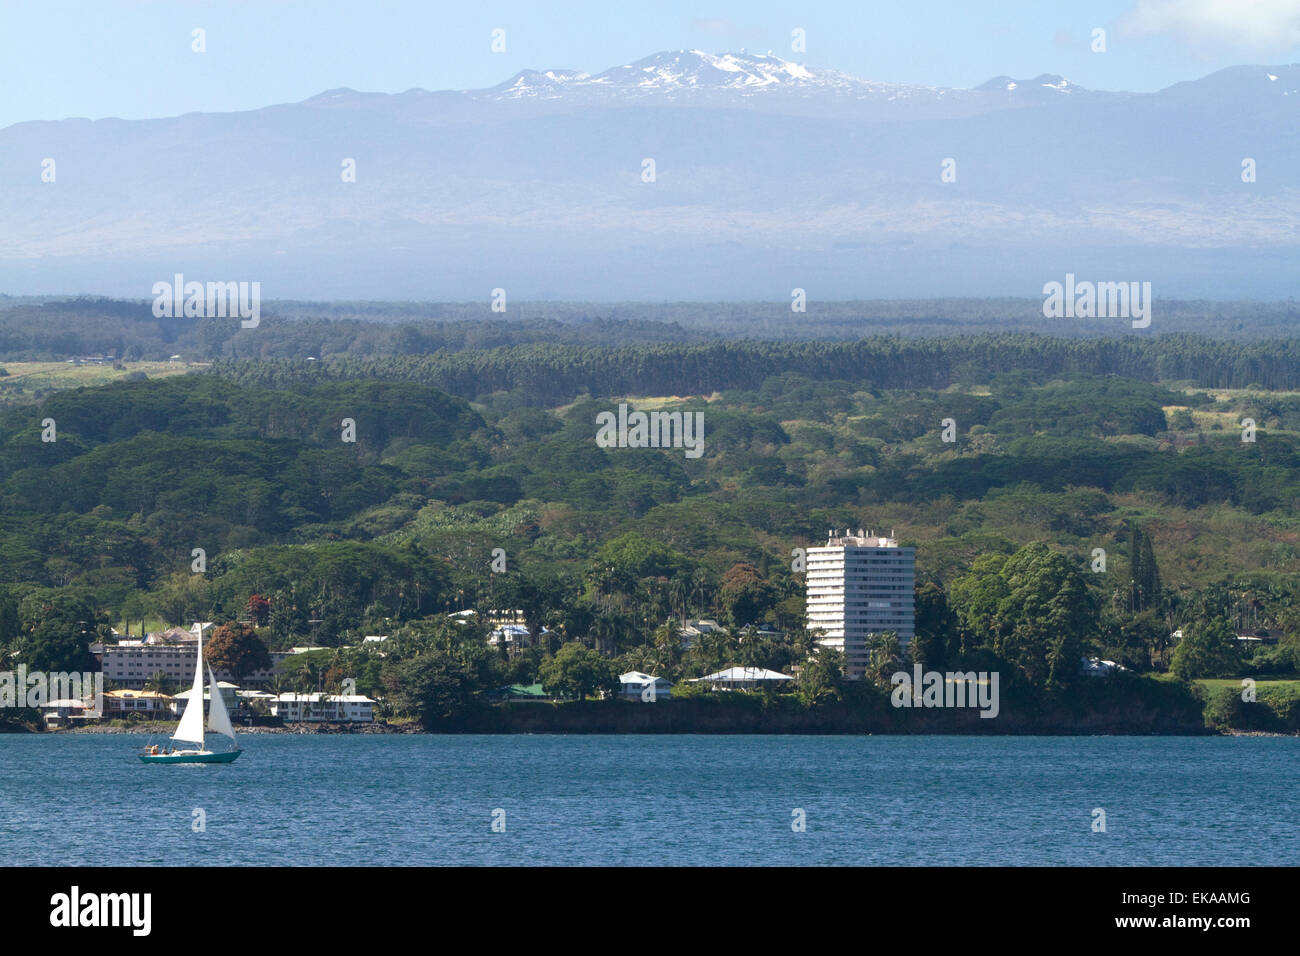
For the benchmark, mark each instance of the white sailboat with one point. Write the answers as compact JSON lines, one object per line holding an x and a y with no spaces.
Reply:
{"x":189,"y":740}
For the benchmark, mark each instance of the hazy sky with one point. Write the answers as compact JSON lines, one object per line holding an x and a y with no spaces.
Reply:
{"x":133,"y":58}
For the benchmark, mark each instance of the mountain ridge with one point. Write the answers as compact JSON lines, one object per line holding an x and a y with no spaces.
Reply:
{"x":763,"y":176}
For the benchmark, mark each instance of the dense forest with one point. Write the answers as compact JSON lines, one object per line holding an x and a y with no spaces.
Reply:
{"x":335,"y":502}
{"x":359,"y":469}
{"x":550,"y":374}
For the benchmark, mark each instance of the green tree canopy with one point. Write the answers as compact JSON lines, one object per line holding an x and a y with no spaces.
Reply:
{"x":576,"y":673}
{"x":1207,"y":650}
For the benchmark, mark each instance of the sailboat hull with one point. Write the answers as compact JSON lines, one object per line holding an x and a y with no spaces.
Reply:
{"x":227,"y":757}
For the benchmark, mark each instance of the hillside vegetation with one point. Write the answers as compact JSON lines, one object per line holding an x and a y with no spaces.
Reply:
{"x":1070,"y":514}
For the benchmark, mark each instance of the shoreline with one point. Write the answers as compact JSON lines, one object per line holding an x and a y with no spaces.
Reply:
{"x":1111,"y":708}
{"x":706,"y":733}
{"x":389,"y":729}
{"x":297,"y":728}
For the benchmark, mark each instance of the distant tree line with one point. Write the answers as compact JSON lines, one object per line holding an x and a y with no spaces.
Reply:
{"x":550,"y":374}
{"x":56,"y":329}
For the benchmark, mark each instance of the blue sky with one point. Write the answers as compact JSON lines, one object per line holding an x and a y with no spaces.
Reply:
{"x":133,"y":58}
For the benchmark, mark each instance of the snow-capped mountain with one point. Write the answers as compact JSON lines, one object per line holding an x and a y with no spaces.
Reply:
{"x":734,"y":80}
{"x":685,"y":71}
{"x":538,"y":83}
{"x":682,"y":175}
{"x":754,"y":80}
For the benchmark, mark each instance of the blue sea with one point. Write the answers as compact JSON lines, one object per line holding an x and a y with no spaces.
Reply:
{"x":314,"y":800}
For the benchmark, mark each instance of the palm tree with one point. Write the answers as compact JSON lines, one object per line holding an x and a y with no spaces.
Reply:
{"x":715,"y":647}
{"x":307,"y":679}
{"x":302,"y":681}
{"x":752,"y":651}
{"x":885,"y":655}
{"x":699,"y":590}
{"x":159,"y":683}
{"x":640,"y":659}
{"x":681,"y":592}
{"x":804,"y":641}
{"x":668,"y":644}
{"x":604,"y":630}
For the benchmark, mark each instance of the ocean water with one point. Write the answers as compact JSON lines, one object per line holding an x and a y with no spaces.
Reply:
{"x":85,"y":800}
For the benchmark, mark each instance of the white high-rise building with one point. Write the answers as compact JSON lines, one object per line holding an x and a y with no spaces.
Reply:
{"x":859,"y":585}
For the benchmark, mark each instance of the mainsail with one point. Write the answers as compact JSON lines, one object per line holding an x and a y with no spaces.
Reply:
{"x":218,"y":719}
{"x":190,"y":728}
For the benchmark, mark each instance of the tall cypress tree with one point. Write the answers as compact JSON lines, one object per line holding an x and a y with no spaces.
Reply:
{"x":1150,"y":575}
{"x":1135,"y":567}
{"x":1145,"y":575}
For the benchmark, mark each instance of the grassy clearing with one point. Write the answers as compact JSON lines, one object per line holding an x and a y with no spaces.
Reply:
{"x":150,"y":625}
{"x":1221,"y":683}
{"x":33,"y":381}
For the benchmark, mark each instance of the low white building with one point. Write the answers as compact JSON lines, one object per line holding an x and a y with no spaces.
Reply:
{"x":343,"y":708}
{"x":515,"y":635}
{"x":634,"y":685}
{"x":1096,"y":667}
{"x":743,"y":678}
{"x":65,"y":710}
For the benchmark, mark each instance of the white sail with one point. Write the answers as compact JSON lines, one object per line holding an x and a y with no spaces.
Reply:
{"x":190,"y":729}
{"x":218,"y":719}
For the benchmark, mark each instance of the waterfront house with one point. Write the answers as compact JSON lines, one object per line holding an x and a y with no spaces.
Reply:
{"x":65,"y":711}
{"x":1096,"y":667}
{"x":634,"y":685}
{"x":743,"y":678}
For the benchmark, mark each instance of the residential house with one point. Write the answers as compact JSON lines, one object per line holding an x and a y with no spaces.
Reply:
{"x":743,"y":678}
{"x":634,"y":685}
